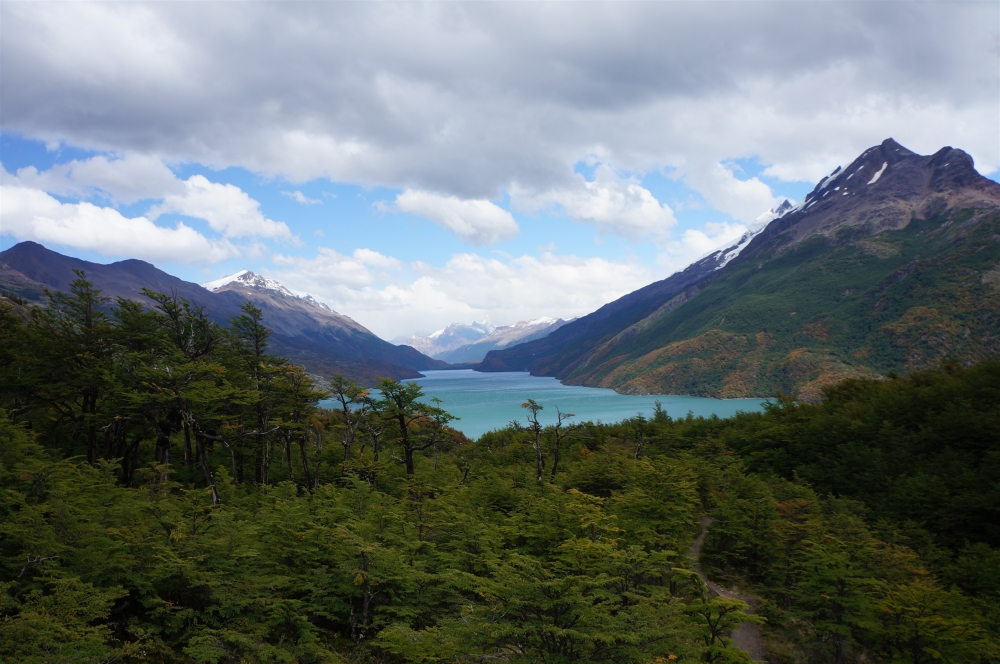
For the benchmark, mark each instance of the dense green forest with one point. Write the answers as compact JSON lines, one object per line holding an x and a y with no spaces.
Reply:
{"x":171,"y":492}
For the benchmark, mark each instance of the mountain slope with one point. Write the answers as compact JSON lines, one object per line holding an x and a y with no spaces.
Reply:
{"x":312,"y":327}
{"x":451,"y":337}
{"x":559,"y":353}
{"x":505,"y":336}
{"x":888,"y":265}
{"x":307,"y":332}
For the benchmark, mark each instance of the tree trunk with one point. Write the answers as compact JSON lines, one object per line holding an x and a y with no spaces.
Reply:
{"x":305,"y":463}
{"x":407,"y":448}
{"x":163,"y":453}
{"x":188,"y":454}
{"x":555,"y":460}
{"x":539,"y":461}
{"x":209,"y":480}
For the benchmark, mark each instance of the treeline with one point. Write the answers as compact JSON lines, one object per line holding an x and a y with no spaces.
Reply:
{"x":173,"y":493}
{"x":163,"y":392}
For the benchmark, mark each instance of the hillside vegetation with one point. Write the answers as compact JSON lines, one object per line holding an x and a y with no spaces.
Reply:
{"x":799,"y":317}
{"x":172,"y":493}
{"x":889,"y":265}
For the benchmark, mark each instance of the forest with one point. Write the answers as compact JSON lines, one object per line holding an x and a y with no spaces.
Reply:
{"x":172,"y":492}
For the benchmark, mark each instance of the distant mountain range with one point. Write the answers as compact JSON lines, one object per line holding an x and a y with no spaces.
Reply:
{"x":306,"y":331}
{"x":460,"y":343}
{"x":451,"y":337}
{"x":888,"y":265}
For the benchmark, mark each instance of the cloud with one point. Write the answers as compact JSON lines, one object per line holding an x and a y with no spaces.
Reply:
{"x":464,"y":99}
{"x":741,"y":199}
{"x":696,"y":243}
{"x":472,"y":100}
{"x":615,"y":205}
{"x":125,"y":179}
{"x":31,"y":214}
{"x":477,"y":222}
{"x":299,"y":197}
{"x":357,"y":272}
{"x":227,"y":209}
{"x":393,"y":298}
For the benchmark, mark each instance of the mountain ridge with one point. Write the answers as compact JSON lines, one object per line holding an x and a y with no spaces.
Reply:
{"x":306,"y":332}
{"x":505,"y":336}
{"x":876,"y":269}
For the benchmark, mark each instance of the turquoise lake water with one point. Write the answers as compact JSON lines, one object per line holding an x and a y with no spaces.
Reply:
{"x":487,"y":401}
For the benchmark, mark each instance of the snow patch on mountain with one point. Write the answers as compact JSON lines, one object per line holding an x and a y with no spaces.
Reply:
{"x":503,"y":336}
{"x":473,"y":328}
{"x":448,"y":338}
{"x":219,"y":283}
{"x":879,"y":174}
{"x":759,"y":224}
{"x":254,"y":281}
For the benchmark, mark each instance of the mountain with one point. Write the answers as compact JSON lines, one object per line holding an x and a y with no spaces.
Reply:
{"x":889,"y":265}
{"x":454,"y":336}
{"x":502,"y":337}
{"x":304,"y":330}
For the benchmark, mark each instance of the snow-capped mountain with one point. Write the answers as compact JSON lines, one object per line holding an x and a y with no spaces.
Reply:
{"x":251,"y":280}
{"x":883,"y":258}
{"x":469,"y":342}
{"x":502,"y":337}
{"x":759,"y":224}
{"x":451,"y":337}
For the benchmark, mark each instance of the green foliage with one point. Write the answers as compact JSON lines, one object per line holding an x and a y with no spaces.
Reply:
{"x":920,"y":450}
{"x":219,"y":515}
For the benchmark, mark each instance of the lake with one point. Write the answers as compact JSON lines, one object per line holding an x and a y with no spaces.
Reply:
{"x":487,"y":401}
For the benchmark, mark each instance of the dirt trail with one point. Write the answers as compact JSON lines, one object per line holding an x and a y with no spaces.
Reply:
{"x":746,"y":637}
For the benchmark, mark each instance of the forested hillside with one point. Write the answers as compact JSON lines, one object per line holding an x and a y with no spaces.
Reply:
{"x":888,"y":265}
{"x":172,"y":493}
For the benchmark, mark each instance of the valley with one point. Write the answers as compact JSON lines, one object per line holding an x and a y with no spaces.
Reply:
{"x":499,"y":332}
{"x":810,"y":413}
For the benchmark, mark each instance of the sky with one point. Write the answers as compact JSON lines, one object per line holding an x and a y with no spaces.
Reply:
{"x":418,"y":164}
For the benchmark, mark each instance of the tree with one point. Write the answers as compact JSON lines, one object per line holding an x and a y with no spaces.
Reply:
{"x":536,"y":430}
{"x":171,"y":377}
{"x":399,"y":404}
{"x":716,"y":619}
{"x":248,"y":339}
{"x":354,"y":405}
{"x":70,"y":346}
{"x":294,"y":404}
{"x":560,"y":434}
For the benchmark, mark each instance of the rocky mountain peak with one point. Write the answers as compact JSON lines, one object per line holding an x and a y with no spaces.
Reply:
{"x":248,"y":279}
{"x":883,"y":189}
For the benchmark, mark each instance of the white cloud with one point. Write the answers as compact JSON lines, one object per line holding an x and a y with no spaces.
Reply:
{"x":696,"y":243}
{"x":465,"y":98}
{"x":393,"y":298}
{"x":125,"y":179}
{"x":331,"y":269}
{"x":741,"y":199}
{"x":31,"y":214}
{"x":478,"y":222}
{"x":299,"y":197}
{"x":615,"y":205}
{"x":227,"y":209}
